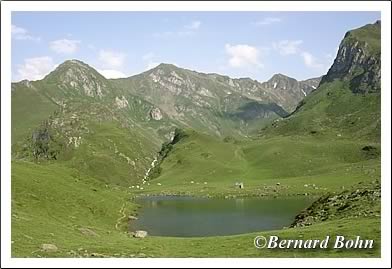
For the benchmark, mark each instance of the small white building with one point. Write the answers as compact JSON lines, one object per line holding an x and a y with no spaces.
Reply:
{"x":239,"y":185}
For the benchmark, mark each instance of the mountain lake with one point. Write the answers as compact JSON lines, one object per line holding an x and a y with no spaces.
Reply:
{"x":179,"y":216}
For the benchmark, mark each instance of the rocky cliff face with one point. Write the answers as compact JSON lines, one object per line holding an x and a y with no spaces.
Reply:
{"x":348,"y":100}
{"x":359,"y":60}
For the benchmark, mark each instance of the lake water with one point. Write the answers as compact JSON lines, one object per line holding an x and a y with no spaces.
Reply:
{"x":191,"y":217}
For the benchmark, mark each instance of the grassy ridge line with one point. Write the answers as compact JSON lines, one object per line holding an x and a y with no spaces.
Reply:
{"x":46,"y":208}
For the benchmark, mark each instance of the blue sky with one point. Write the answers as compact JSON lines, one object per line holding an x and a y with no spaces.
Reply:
{"x":239,"y":44}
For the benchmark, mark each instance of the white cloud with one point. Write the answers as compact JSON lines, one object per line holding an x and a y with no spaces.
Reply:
{"x":35,"y":68}
{"x":111,"y":59}
{"x":268,"y":21}
{"x":193,"y":25}
{"x":20,"y":33}
{"x":288,"y":47}
{"x":111,"y":73}
{"x":64,"y":46}
{"x":243,"y":55}
{"x":311,"y":61}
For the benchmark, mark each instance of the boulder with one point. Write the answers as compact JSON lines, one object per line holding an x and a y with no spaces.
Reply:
{"x":49,"y":247}
{"x":140,"y":234}
{"x":132,"y":218}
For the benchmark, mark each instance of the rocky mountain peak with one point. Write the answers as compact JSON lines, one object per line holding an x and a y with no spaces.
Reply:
{"x":359,"y":60}
{"x":75,"y":74}
{"x":281,"y":81}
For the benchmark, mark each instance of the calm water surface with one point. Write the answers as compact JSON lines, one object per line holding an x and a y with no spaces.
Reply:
{"x":190,"y":216}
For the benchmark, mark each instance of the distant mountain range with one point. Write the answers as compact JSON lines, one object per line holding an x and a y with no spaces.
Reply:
{"x":209,"y":103}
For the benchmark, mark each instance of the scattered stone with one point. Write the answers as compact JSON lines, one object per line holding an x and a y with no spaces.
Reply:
{"x":140,"y":234}
{"x":159,"y":184}
{"x":72,"y":253}
{"x":192,"y":182}
{"x":278,"y":184}
{"x":132,"y":218}
{"x":49,"y":247}
{"x":98,"y":255}
{"x":28,"y":237}
{"x":87,"y":231}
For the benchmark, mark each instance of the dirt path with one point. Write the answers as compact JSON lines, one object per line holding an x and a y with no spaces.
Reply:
{"x":123,"y":215}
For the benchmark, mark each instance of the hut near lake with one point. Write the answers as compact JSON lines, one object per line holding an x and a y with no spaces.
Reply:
{"x":239,"y":185}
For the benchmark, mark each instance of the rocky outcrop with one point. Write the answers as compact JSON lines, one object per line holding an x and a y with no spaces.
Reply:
{"x":364,"y":200}
{"x":156,"y":114}
{"x":121,"y":102}
{"x":359,"y":60}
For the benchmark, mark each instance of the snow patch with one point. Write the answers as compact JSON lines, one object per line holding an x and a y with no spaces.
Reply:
{"x":275,"y":84}
{"x":302,"y":90}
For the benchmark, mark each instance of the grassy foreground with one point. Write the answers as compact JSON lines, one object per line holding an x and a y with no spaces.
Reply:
{"x":85,"y":217}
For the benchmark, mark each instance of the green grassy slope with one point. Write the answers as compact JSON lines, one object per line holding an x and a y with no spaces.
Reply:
{"x":282,"y":165}
{"x":24,"y":100}
{"x":333,"y":111}
{"x":46,"y":209}
{"x":98,"y":141}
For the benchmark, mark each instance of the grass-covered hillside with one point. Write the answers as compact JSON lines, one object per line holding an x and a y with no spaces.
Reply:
{"x":282,"y":165}
{"x":46,"y":209}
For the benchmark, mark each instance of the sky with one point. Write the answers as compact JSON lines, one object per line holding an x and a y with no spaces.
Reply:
{"x":301,"y":45}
